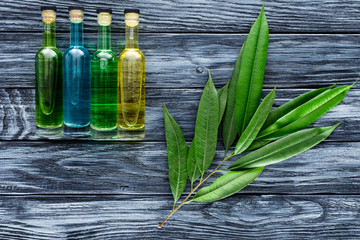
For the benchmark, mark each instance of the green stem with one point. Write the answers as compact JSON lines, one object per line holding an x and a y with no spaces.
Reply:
{"x":202,"y":175}
{"x":193,"y":190}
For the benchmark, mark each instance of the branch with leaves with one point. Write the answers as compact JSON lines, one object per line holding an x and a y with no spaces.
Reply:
{"x":272,"y":136}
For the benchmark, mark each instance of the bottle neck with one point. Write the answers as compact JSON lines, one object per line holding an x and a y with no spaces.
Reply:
{"x":131,"y":37}
{"x":76,"y":33}
{"x":48,"y":34}
{"x":104,"y":37}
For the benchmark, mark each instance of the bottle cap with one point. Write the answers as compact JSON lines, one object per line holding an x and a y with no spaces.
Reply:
{"x":133,"y":10}
{"x":104,"y":18}
{"x":105,"y":10}
{"x":76,"y":8}
{"x":43,"y":8}
{"x":76,"y":14}
{"x":48,"y":14}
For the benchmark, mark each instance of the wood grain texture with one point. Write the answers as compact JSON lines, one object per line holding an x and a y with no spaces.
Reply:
{"x":199,"y":16}
{"x":136,"y":217}
{"x":17,"y":112}
{"x":181,"y":60}
{"x":69,"y":189}
{"x":141,"y":168}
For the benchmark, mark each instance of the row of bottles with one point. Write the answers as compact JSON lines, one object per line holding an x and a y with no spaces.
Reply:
{"x":76,"y":91}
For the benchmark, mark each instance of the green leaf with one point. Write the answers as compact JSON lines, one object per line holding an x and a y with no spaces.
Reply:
{"x":255,"y":124}
{"x":283,"y":148}
{"x":229,"y":132}
{"x":222,"y":95}
{"x":252,"y":70}
{"x":257,"y":143}
{"x":177,"y":154}
{"x":192,"y":167}
{"x":206,"y":127}
{"x":305,"y":114}
{"x":279,"y":112}
{"x":227,"y":185}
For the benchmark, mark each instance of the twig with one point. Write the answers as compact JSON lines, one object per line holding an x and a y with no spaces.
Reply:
{"x":193,"y":190}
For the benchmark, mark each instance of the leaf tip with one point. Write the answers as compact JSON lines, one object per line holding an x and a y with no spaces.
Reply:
{"x":331,"y":87}
{"x":210,"y":78}
{"x":354,"y":83}
{"x":336,"y":125}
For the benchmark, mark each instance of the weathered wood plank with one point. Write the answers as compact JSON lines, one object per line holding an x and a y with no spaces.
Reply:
{"x":17,"y":112}
{"x":200,"y":16}
{"x":178,"y":60}
{"x":239,"y":217}
{"x":141,"y":168}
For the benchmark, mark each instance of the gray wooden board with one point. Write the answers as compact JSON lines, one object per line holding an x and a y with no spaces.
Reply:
{"x":141,"y":168}
{"x":17,"y":109}
{"x":69,"y":189}
{"x":181,"y":60}
{"x":136,"y":217}
{"x":196,"y":16}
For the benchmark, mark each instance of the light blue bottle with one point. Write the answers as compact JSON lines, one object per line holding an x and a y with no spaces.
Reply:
{"x":76,"y":79}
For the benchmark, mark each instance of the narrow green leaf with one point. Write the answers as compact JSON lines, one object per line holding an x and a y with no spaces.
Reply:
{"x":206,"y":127}
{"x":192,"y":167}
{"x":283,"y":148}
{"x":177,"y":154}
{"x":279,"y":112}
{"x":257,"y":143}
{"x":222,"y":95}
{"x":252,"y":70}
{"x":255,"y":124}
{"x":227,"y":185}
{"x":229,"y":132}
{"x":305,"y":114}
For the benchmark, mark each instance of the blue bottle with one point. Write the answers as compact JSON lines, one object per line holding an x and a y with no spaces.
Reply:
{"x":76,"y":79}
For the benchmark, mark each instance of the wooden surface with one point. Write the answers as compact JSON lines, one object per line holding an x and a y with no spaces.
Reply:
{"x":81,"y":189}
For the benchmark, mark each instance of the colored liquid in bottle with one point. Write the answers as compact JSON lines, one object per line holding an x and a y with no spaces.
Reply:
{"x":131,"y":106}
{"x":48,"y":78}
{"x":76,"y":78}
{"x":104,"y":96}
{"x":103,"y":91}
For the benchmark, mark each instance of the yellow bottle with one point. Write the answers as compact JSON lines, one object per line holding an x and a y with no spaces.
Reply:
{"x":131,"y":82}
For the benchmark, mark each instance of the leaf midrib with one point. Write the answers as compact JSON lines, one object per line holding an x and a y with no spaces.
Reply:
{"x":251,"y":78}
{"x":206,"y":133}
{"x":195,"y":165}
{"x":179,"y":159}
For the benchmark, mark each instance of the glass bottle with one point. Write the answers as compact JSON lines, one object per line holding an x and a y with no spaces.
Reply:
{"x":104,"y":81}
{"x":76,"y":79}
{"x":48,"y":79}
{"x":131,"y":92}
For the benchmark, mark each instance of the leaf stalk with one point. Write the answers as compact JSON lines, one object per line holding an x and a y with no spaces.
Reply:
{"x":193,"y":190}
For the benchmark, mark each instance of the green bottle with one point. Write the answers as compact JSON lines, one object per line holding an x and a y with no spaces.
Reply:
{"x":104,"y":81}
{"x":48,"y":79}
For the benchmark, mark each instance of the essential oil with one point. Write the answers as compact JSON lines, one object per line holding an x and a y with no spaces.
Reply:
{"x":48,"y":79}
{"x":104,"y":96}
{"x":131,"y":67}
{"x":76,"y":79}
